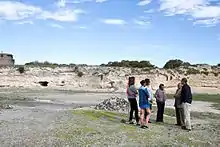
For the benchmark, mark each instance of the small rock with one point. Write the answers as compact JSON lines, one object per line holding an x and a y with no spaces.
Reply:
{"x":209,"y":143}
{"x":123,"y":121}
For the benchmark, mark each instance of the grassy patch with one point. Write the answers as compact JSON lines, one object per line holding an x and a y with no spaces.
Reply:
{"x":103,"y":128}
{"x":96,"y":114}
{"x":198,"y":115}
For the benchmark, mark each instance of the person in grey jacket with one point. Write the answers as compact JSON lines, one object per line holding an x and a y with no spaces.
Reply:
{"x":132,"y":98}
{"x":178,"y":106}
{"x":160,"y":99}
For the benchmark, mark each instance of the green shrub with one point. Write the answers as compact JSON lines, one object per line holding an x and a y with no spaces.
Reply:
{"x":131,"y":64}
{"x":205,"y":73}
{"x":215,"y":74}
{"x":146,"y":69}
{"x":172,"y":64}
{"x":46,"y":64}
{"x":180,"y":71}
{"x":205,"y":69}
{"x":192,"y":71}
{"x":21,"y":69}
{"x":80,"y":74}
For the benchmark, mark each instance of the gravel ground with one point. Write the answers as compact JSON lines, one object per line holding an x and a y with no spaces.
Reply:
{"x":31,"y":126}
{"x":197,"y":106}
{"x":36,"y":116}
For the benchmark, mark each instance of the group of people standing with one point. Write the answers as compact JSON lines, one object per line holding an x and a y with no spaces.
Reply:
{"x":183,"y":100}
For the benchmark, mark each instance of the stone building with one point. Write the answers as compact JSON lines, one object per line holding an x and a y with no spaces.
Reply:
{"x":6,"y":59}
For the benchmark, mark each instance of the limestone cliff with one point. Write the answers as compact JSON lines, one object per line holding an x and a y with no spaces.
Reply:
{"x":95,"y":78}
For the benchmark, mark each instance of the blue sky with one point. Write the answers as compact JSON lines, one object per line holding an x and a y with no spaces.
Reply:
{"x":98,"y":31}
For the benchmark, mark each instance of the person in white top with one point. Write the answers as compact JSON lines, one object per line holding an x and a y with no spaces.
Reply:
{"x":149,"y":89}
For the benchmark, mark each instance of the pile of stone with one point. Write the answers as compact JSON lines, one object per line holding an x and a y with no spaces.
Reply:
{"x":114,"y":104}
{"x":5,"y":106}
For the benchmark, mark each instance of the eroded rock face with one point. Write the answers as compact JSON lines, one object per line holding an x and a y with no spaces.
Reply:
{"x":114,"y":104}
{"x":106,"y":79}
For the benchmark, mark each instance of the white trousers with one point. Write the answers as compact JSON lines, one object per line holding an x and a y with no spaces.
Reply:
{"x":187,"y":109}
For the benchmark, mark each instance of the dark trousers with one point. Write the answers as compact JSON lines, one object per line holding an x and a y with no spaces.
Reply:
{"x":160,"y":111}
{"x":150,"y":106}
{"x":133,"y":107}
{"x":179,"y":116}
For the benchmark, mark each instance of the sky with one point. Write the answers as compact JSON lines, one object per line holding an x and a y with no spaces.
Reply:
{"x":98,"y":31}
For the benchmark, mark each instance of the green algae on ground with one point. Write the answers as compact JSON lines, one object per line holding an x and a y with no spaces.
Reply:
{"x":103,"y":128}
{"x":98,"y":114}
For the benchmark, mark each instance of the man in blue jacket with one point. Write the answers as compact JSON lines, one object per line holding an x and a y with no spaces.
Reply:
{"x":186,"y":99}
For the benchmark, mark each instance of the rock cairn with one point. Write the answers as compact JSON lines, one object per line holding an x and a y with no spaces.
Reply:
{"x":114,"y":104}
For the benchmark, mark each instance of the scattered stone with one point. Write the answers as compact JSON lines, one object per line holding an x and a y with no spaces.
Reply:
{"x":123,"y":121}
{"x":112,"y":83}
{"x":114,"y":104}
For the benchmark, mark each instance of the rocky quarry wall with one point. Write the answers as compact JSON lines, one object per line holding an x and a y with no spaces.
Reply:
{"x":106,"y":78}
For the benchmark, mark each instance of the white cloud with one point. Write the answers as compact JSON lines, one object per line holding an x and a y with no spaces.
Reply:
{"x":25,"y":22}
{"x":114,"y":21}
{"x":144,"y":2}
{"x":17,"y":11}
{"x":61,"y":3}
{"x":100,"y":1}
{"x":80,"y":1}
{"x":61,"y":15}
{"x":201,"y":11}
{"x":56,"y":26}
{"x":207,"y":12}
{"x":82,"y":27}
{"x":206,"y":22}
{"x":83,"y":1}
{"x":149,"y":11}
{"x":141,"y":22}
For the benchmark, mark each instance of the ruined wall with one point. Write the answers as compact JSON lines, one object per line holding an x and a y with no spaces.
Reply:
{"x":6,"y":60}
